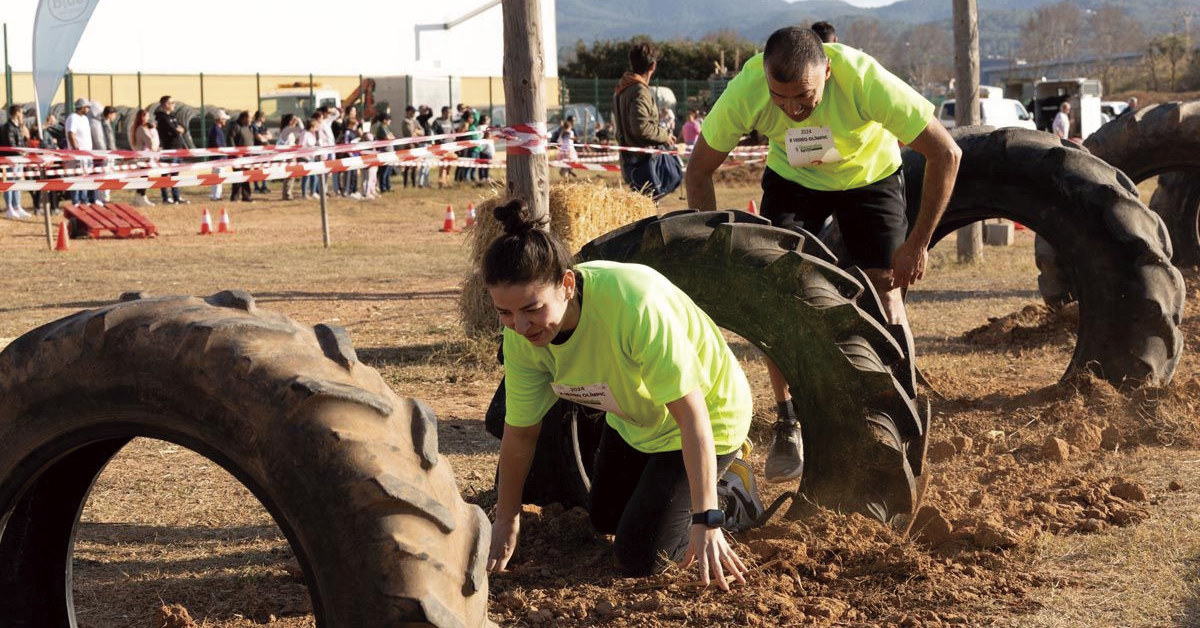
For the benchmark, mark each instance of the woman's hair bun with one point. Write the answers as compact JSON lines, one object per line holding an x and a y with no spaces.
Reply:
{"x":514,"y":216}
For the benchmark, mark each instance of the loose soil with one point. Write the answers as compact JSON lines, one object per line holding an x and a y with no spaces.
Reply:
{"x":1050,"y":504}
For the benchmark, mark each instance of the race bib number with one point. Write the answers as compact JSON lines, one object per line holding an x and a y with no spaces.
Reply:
{"x":597,"y":396}
{"x":811,"y":146}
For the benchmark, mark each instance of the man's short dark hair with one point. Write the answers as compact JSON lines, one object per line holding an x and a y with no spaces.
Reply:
{"x":825,"y":31}
{"x":13,"y":110}
{"x":164,"y":100}
{"x":642,"y":55}
{"x":790,"y":51}
{"x":107,"y":110}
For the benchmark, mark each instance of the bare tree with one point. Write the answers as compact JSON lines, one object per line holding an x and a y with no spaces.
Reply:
{"x":1113,"y":31}
{"x":866,"y":35}
{"x":923,"y":56}
{"x":1173,"y":48}
{"x":1052,"y":34}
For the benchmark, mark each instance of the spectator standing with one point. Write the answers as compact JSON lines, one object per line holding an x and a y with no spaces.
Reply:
{"x":79,"y":137}
{"x":383,"y":132}
{"x":350,"y":135}
{"x":240,"y":136}
{"x":467,"y":173}
{"x":636,"y":122}
{"x":566,"y":147}
{"x":487,"y":151}
{"x":326,"y":135}
{"x":666,"y":119}
{"x":826,"y":32}
{"x":1062,"y":121}
{"x":443,"y":125}
{"x":309,"y":139}
{"x":262,"y":137}
{"x":410,"y":128}
{"x":691,"y":129}
{"x":424,"y":115}
{"x":217,"y":139}
{"x":14,"y":134}
{"x":51,"y":138}
{"x":143,"y":136}
{"x":99,"y":142}
{"x":1132,"y":104}
{"x":289,"y":135}
{"x":170,"y":136}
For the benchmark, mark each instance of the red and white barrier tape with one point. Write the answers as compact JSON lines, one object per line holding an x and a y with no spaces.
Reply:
{"x":524,"y":139}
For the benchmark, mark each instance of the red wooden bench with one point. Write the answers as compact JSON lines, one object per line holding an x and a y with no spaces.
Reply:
{"x":111,"y":219}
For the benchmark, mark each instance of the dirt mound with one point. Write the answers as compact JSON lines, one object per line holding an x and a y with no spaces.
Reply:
{"x":1032,"y":325}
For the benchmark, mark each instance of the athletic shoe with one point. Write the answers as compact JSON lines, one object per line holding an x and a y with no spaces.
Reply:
{"x":23,"y":214}
{"x":785,"y":458}
{"x":12,"y":214}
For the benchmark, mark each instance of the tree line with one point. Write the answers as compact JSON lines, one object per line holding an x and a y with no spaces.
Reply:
{"x":923,"y":54}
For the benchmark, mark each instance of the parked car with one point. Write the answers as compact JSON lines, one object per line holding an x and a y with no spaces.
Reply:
{"x":997,"y":112}
{"x":1110,"y":109}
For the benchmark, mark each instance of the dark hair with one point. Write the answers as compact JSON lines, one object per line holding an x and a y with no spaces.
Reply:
{"x":642,"y":55}
{"x":258,"y":115}
{"x":243,"y":118}
{"x":107,"y":110}
{"x":163,"y":101}
{"x":790,"y":51}
{"x":526,"y":253}
{"x":287,"y":120}
{"x":13,"y":110}
{"x":825,"y":31}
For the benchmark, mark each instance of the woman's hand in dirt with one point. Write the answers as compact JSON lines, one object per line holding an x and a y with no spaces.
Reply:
{"x":709,"y":547}
{"x":504,"y":540}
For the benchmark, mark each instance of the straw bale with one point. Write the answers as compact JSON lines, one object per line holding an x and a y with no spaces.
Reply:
{"x":580,"y":211}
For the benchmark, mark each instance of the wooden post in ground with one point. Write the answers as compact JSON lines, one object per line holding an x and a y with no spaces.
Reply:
{"x":966,"y":107}
{"x":525,"y":102}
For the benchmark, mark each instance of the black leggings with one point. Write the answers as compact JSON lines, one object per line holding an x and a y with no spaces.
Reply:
{"x":644,"y":499}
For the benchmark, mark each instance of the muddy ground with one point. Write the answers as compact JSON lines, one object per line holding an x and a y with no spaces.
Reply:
{"x":1050,"y":504}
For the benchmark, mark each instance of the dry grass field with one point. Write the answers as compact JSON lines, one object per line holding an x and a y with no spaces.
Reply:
{"x":164,"y":525}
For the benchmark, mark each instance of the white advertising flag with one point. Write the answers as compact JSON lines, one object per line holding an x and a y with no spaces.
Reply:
{"x":56,"y":31}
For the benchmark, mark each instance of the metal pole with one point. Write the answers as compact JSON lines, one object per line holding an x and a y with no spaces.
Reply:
{"x":449,"y":92}
{"x":203,"y":125}
{"x":324,"y":215}
{"x":258,"y":90}
{"x":112,"y":99}
{"x":312,"y":97}
{"x":7,"y":71}
{"x":140,"y":101}
{"x":362,"y":104}
{"x":89,"y":86}
{"x":69,"y":83}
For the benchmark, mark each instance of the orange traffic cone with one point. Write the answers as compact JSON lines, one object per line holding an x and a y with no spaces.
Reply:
{"x":470,"y":215}
{"x":64,"y":238}
{"x":206,"y":224}
{"x":752,"y":207}
{"x":448,"y":222}
{"x":223,"y":226}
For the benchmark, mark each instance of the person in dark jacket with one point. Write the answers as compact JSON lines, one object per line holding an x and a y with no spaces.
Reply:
{"x":216,"y":139}
{"x":636,"y":116}
{"x":241,"y":136}
{"x":170,"y":137}
{"x":262,"y":137}
{"x":14,"y":134}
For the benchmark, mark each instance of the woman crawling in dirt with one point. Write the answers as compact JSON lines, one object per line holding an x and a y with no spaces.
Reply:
{"x":622,"y":338}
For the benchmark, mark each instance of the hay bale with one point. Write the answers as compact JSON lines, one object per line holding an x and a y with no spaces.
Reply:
{"x":580,"y":211}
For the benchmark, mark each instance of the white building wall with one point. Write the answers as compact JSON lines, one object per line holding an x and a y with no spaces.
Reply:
{"x":369,"y":37}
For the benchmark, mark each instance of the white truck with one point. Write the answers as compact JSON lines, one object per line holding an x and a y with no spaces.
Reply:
{"x":1084,"y":95}
{"x":994,"y":109}
{"x":395,"y":92}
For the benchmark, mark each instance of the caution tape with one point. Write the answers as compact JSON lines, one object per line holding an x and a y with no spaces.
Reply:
{"x":251,"y":175}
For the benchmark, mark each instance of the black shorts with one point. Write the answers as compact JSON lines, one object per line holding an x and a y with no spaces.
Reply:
{"x":872,"y":218}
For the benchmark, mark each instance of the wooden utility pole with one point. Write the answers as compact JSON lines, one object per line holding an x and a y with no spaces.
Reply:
{"x":966,"y":104}
{"x":525,"y":102}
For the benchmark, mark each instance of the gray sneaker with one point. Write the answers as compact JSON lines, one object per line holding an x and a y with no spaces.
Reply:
{"x":785,"y":458}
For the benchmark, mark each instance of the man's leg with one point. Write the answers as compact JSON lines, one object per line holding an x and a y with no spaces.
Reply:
{"x":787,"y":205}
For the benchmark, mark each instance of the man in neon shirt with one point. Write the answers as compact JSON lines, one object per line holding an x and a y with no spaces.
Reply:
{"x":834,"y":116}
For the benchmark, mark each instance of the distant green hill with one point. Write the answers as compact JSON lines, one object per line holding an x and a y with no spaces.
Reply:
{"x":1000,"y":21}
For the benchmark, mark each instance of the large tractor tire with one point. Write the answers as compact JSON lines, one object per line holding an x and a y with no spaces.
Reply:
{"x":1177,"y":200}
{"x":1156,"y":140}
{"x":864,"y":437}
{"x":349,"y":471}
{"x":1109,"y":245}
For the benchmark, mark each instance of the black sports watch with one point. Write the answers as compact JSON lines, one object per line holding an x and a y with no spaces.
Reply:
{"x":709,"y":518}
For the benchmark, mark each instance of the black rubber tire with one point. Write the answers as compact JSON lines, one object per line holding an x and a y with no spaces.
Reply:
{"x":1150,"y":141}
{"x":1177,"y":200}
{"x":864,"y":437}
{"x":1118,"y":252}
{"x":349,"y":471}
{"x":1156,"y":140}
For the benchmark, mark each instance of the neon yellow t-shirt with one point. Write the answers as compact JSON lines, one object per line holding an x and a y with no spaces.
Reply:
{"x":640,"y":344}
{"x":864,"y":108}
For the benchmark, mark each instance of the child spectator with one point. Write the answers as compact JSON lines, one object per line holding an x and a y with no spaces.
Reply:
{"x":566,"y":147}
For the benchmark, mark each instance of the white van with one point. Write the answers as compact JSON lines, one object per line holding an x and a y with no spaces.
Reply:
{"x":996,"y":112}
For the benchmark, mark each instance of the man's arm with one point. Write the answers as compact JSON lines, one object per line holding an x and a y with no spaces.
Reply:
{"x":698,"y":179}
{"x":942,"y":156}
